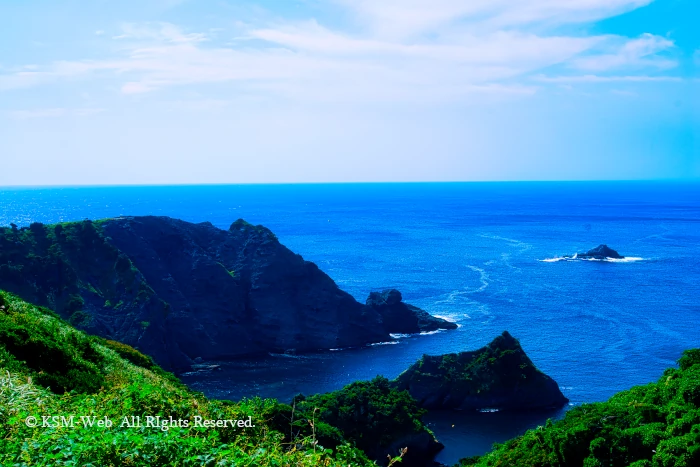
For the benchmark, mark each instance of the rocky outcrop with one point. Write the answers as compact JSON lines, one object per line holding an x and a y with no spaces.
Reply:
{"x":600,"y":252}
{"x":180,"y":291}
{"x":400,"y":317}
{"x":498,"y":376}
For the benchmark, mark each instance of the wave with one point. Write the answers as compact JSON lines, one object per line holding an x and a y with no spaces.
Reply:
{"x":626,"y":259}
{"x":428,"y":333}
{"x":399,"y":336}
{"x":463,"y":294}
{"x":384,"y":343}
{"x":446,"y":318}
{"x":287,"y":355}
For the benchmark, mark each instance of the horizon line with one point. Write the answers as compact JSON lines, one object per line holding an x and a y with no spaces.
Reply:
{"x":412,"y":182}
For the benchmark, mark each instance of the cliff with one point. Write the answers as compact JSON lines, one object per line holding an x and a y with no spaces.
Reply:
{"x":498,"y":376}
{"x":179,"y":291}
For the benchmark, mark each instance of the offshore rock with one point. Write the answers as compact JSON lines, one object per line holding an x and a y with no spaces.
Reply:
{"x":600,"y":252}
{"x":402,"y":318}
{"x":498,"y":376}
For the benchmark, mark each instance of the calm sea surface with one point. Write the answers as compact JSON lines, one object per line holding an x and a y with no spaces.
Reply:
{"x":472,"y":252}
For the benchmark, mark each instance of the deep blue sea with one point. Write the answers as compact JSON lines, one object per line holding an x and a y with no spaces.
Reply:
{"x":472,"y":252}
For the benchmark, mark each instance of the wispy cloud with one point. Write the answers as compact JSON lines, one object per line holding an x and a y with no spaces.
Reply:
{"x":411,"y":50}
{"x":405,"y":18}
{"x":160,"y":31}
{"x":606,"y":79}
{"x":634,"y":53}
{"x":53,"y":113}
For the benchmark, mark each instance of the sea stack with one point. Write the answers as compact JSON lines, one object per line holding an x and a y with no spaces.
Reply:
{"x":498,"y":376}
{"x":402,"y":318}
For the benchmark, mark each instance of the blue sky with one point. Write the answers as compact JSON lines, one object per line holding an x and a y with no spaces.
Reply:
{"x":173,"y":91}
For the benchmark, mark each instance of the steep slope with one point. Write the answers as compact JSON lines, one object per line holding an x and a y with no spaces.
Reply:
{"x":68,"y":398}
{"x":499,"y":376}
{"x":178,"y":291}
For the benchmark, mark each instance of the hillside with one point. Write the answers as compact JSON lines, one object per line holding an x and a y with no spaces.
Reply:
{"x":179,"y":291}
{"x":657,"y":425}
{"x":48,"y":368}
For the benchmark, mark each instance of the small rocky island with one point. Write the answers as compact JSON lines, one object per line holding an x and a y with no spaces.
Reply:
{"x":498,"y":376}
{"x":600,"y":252}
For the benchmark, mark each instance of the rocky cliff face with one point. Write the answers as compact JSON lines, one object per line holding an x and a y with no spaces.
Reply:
{"x":498,"y":376}
{"x":178,"y":291}
{"x":400,"y":317}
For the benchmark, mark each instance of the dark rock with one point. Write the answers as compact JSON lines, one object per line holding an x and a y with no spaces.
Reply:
{"x":600,"y":252}
{"x":178,"y":291}
{"x":402,"y":318}
{"x":498,"y":376}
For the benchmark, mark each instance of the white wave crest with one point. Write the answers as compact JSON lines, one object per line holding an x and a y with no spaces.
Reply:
{"x":626,"y":259}
{"x":384,"y":343}
{"x":428,"y":333}
{"x":446,"y":318}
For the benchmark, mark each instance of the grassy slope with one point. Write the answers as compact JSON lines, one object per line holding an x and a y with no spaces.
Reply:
{"x":37,"y":349}
{"x":657,"y":425}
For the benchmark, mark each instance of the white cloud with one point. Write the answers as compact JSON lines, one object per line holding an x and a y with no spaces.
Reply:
{"x":634,"y":53}
{"x":53,"y":113}
{"x":403,"y":18}
{"x":163,"y":32}
{"x":606,"y":79}
{"x":408,"y":50}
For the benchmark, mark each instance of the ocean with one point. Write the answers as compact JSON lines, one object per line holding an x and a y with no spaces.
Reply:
{"x":486,"y":255}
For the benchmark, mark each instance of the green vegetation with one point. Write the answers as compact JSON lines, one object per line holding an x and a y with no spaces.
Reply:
{"x":370,"y":414}
{"x":241,"y":224}
{"x":66,"y":267}
{"x":48,"y":368}
{"x":92,"y":377}
{"x":490,"y":367}
{"x":657,"y":425}
{"x":498,"y":375}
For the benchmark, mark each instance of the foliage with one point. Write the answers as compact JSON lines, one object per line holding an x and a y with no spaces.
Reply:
{"x":68,"y":267}
{"x":120,"y":382}
{"x":500,"y":364}
{"x":657,"y":425}
{"x":371,"y":415}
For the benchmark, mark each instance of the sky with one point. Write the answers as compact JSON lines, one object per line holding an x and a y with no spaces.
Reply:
{"x":216,"y":91}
